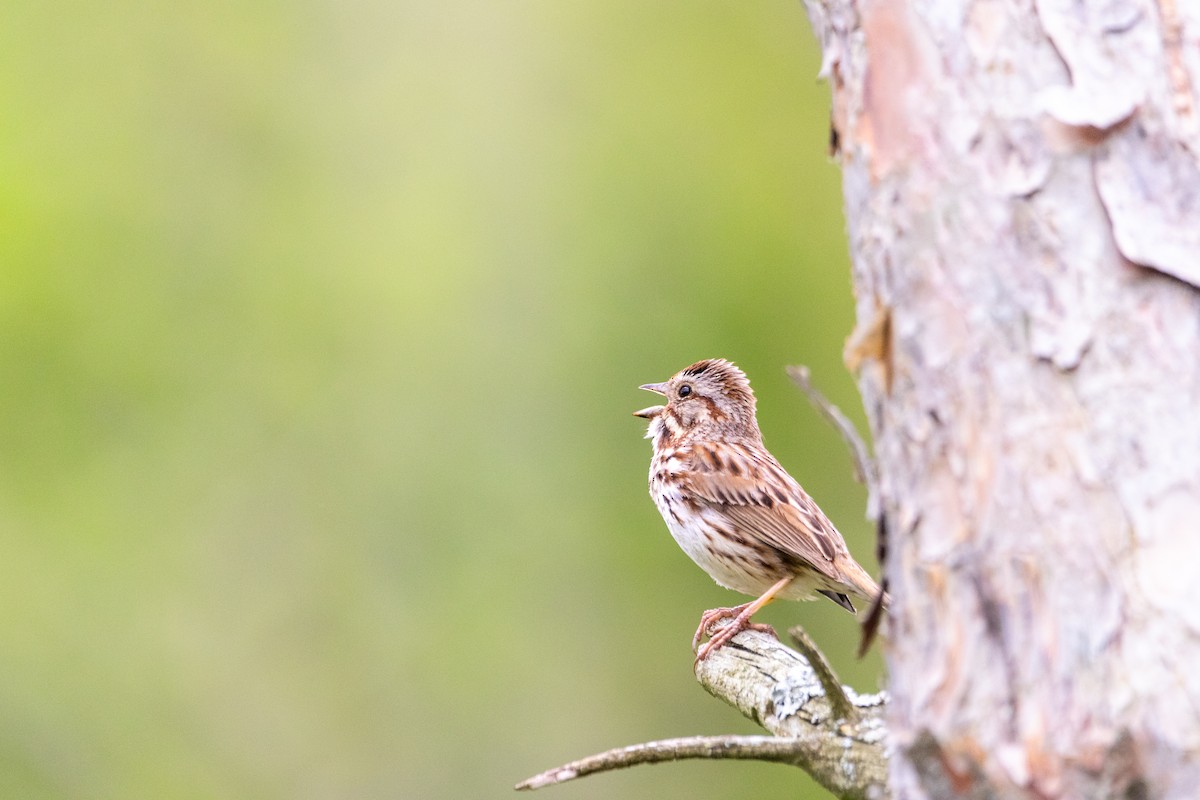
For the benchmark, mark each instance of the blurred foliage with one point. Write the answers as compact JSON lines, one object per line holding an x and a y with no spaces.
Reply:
{"x":322,"y":324}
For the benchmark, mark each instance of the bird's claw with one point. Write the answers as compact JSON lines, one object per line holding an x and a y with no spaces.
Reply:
{"x":713,"y":615}
{"x":739,"y":620}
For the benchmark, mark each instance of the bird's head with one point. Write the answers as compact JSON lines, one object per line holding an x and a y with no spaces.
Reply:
{"x":711,"y":398}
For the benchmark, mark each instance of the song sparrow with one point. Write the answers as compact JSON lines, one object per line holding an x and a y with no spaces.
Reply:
{"x":733,"y":509}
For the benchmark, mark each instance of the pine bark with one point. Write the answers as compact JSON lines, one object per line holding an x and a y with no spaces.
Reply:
{"x":1023,"y":195}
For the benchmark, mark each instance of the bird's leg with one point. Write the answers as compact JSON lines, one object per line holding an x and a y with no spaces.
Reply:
{"x":741,"y":620}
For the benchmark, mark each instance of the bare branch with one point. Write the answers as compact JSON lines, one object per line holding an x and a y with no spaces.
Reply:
{"x":864,"y":466}
{"x":865,"y":472}
{"x":874,"y":618}
{"x":761,"y":748}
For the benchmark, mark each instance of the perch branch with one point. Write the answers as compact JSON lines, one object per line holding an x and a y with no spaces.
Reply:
{"x":779,"y":689}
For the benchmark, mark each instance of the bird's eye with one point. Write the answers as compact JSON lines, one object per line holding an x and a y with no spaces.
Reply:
{"x":684,"y":391}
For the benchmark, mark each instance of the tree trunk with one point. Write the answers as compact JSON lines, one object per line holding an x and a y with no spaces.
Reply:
{"x":1023,"y":196}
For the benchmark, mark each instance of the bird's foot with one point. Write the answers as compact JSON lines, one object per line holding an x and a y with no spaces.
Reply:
{"x":739,"y":617}
{"x":711,"y":616}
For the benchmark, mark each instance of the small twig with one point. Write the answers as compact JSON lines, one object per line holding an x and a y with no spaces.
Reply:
{"x":834,"y":692}
{"x":870,"y":625}
{"x":864,"y":471}
{"x":864,"y":467}
{"x":760,"y":748}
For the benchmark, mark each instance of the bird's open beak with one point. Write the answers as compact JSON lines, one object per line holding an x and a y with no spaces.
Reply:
{"x":652,"y":411}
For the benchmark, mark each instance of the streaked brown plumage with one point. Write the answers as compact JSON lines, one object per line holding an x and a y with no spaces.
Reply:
{"x":733,"y":509}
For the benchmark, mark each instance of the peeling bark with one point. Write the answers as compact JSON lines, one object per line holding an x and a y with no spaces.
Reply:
{"x":1022,"y":186}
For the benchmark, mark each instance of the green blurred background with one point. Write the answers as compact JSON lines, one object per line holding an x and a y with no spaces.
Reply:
{"x":322,"y":327}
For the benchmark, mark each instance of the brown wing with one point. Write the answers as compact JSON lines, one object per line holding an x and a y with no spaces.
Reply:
{"x":758,"y":496}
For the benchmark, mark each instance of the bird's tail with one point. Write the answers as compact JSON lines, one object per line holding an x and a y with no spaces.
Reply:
{"x":862,"y":584}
